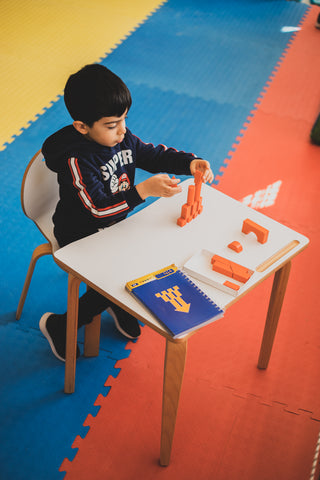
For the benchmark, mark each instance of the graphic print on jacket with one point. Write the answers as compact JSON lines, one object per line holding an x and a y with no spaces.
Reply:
{"x":87,"y":201}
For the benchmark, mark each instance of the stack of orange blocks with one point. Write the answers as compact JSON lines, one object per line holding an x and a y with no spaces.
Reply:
{"x":232,"y":270}
{"x":194,"y":206}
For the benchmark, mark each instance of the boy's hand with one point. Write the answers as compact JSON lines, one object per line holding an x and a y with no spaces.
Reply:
{"x":159,"y":186}
{"x":204,"y":167}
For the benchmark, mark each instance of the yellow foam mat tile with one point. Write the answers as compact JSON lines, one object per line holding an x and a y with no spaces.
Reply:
{"x":43,"y":42}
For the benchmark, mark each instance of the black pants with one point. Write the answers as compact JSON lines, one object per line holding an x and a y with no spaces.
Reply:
{"x":91,"y":303}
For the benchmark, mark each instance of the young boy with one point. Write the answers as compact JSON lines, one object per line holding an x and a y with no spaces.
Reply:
{"x":95,"y":159}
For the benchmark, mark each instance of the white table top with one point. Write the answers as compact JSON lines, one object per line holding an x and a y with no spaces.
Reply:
{"x":151,"y":239}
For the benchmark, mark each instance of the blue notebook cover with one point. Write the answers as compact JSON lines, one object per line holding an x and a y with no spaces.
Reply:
{"x":175,"y":300}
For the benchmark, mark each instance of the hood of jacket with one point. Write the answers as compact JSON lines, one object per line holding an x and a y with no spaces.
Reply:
{"x":65,"y":143}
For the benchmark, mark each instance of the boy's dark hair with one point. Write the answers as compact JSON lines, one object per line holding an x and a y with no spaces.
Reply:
{"x":95,"y":92}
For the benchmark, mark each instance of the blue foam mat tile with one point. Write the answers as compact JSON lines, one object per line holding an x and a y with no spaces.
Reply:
{"x":208,"y":50}
{"x":201,"y":96}
{"x":190,"y":124}
{"x":39,"y":422}
{"x":7,"y":318}
{"x":48,"y":293}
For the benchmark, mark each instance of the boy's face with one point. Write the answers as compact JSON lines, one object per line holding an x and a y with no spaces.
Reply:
{"x":108,"y":131}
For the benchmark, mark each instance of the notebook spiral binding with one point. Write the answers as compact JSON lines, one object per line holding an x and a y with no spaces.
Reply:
{"x":183,"y":274}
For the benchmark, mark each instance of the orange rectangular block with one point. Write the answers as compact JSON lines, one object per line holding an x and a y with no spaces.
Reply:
{"x":194,"y":208}
{"x":242,"y":275}
{"x":199,"y":205}
{"x":185,"y":211}
{"x":234,"y":286}
{"x":191,"y":191}
{"x":198,"y":184}
{"x":238,"y":272}
{"x":181,"y":222}
{"x":223,"y":268}
{"x":219,"y":259}
{"x":198,"y":177}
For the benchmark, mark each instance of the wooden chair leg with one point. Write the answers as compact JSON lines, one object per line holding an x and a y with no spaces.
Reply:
{"x":72,"y":333}
{"x":173,"y":375}
{"x":44,"y":249}
{"x":279,"y":286}
{"x":92,"y":337}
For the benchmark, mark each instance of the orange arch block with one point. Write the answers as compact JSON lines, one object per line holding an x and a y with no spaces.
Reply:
{"x":261,"y":232}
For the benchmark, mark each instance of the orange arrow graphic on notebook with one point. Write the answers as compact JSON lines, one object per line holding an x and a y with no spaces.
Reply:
{"x":174,"y":296}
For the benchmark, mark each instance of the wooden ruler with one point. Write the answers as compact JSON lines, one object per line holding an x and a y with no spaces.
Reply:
{"x":276,"y":256}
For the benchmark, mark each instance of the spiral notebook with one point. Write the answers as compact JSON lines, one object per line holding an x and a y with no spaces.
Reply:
{"x":179,"y":304}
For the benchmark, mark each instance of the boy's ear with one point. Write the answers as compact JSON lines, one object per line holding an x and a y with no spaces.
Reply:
{"x":80,"y":127}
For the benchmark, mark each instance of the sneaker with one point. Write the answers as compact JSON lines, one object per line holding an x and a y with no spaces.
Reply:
{"x":125,"y":323}
{"x":53,"y":328}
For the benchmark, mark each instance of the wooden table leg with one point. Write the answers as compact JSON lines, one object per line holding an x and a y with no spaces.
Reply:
{"x":72,"y":333}
{"x":175,"y":358}
{"x":92,"y":337}
{"x":279,"y":286}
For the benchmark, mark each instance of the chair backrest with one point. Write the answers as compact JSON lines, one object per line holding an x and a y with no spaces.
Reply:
{"x":40,"y":195}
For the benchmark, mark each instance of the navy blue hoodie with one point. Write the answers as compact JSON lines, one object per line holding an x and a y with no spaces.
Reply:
{"x":96,"y":183}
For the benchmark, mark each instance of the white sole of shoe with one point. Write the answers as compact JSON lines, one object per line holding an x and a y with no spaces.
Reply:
{"x":44,"y":331}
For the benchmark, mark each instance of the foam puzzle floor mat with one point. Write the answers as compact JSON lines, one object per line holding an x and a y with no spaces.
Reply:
{"x":33,"y":402}
{"x":215,"y":424}
{"x":166,"y":109}
{"x":228,"y":406}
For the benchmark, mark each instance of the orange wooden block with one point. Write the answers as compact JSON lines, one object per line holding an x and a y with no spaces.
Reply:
{"x":181,"y":222}
{"x":185,"y":211}
{"x":261,"y":232}
{"x":216,"y":258}
{"x":234,"y":286}
{"x":198,"y":184}
{"x":223,"y":268}
{"x":198,"y":177}
{"x":236,"y":246}
{"x":194,"y":209}
{"x":241,"y":274}
{"x":173,"y":178}
{"x":191,"y":191}
{"x":234,"y":270}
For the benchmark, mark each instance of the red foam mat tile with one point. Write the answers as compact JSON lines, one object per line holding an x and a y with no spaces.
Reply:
{"x":276,"y":143}
{"x":276,"y":146}
{"x":219,"y":433}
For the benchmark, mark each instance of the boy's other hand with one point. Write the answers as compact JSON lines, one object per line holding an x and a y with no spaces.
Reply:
{"x":159,"y":186}
{"x":204,"y":167}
